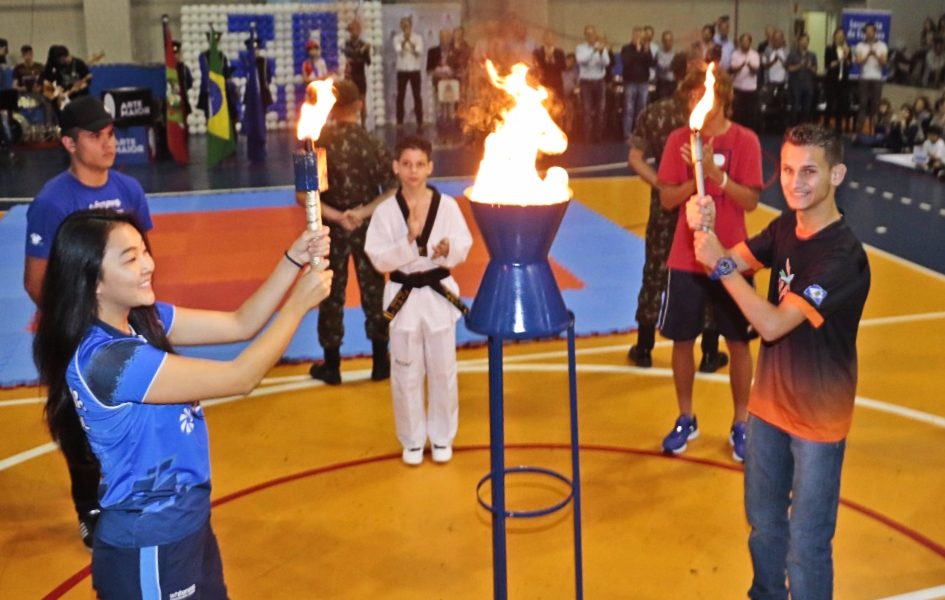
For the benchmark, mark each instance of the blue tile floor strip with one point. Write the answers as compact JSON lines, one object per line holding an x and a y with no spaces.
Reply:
{"x":610,"y":269}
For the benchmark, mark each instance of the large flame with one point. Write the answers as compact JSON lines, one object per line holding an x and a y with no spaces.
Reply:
{"x":318,"y":103}
{"x":507,"y":173}
{"x":701,"y":111}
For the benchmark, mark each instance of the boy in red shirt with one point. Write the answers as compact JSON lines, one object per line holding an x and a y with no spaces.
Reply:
{"x":732,"y":168}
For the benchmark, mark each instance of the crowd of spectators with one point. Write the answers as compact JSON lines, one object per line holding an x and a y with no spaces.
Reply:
{"x":600,"y":87}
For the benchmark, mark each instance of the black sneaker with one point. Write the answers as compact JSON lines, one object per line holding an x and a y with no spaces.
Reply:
{"x":713,"y":362}
{"x":640,"y":357}
{"x":323,"y":372}
{"x":87,"y":523}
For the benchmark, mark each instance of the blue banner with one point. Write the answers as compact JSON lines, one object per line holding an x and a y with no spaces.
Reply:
{"x":133,"y":145}
{"x":854,"y":19}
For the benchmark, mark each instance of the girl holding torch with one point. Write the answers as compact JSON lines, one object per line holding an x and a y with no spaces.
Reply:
{"x":105,"y":349}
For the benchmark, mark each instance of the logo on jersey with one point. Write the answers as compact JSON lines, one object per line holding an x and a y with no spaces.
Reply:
{"x":785,"y":277}
{"x":76,"y":400}
{"x":36,"y":239}
{"x":815,"y":294}
{"x":184,"y":593}
{"x":187,"y":420}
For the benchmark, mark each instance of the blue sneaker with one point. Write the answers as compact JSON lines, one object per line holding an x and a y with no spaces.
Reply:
{"x":686,"y":428}
{"x":737,"y":440}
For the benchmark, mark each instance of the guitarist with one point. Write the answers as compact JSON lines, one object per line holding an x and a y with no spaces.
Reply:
{"x":70,"y":76}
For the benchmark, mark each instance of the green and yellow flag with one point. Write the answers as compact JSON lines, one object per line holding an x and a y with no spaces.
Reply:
{"x":222,"y":137}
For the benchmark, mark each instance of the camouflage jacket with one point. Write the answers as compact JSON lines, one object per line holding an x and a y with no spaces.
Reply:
{"x":655,"y":124}
{"x":359,"y":166}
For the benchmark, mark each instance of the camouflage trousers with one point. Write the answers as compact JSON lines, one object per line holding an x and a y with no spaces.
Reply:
{"x":660,"y":228}
{"x":331,"y":328}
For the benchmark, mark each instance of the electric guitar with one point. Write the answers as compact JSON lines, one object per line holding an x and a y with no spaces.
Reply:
{"x":61,"y":96}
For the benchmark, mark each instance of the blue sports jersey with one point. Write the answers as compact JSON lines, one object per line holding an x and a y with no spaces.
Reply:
{"x":155,"y":458}
{"x":64,"y":194}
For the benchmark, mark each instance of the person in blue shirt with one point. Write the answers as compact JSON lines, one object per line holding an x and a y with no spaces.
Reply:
{"x":105,"y":349}
{"x":88,"y":135}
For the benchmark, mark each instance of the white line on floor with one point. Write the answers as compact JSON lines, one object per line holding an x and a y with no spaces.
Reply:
{"x":883,"y":253}
{"x":932,"y":593}
{"x":478,"y":366}
{"x":287,"y":379}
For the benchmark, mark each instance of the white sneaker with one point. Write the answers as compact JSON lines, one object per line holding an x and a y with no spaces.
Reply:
{"x":442,"y":454}
{"x":413,"y":456}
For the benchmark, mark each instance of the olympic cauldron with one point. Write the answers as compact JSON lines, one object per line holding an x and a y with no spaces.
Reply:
{"x":518,"y":214}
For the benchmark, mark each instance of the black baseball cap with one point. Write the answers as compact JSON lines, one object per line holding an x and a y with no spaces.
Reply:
{"x":86,"y":113}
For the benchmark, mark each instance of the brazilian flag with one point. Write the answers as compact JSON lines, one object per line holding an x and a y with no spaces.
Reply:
{"x":222,"y":137}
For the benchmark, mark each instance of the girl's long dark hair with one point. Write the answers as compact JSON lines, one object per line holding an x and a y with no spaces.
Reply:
{"x":68,"y":306}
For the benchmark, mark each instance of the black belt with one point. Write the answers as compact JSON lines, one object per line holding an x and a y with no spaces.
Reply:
{"x":431,"y":279}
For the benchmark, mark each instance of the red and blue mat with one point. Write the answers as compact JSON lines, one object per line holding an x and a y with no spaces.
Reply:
{"x":213,"y":249}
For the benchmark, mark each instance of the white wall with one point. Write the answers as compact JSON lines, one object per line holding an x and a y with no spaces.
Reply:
{"x":42,"y":23}
{"x":45,"y":22}
{"x":907,"y":17}
{"x":684,"y":18}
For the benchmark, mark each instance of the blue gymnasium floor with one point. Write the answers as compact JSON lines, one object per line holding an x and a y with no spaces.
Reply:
{"x":594,"y":306}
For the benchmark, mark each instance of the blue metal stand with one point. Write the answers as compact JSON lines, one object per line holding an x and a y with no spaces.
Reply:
{"x":499,"y":471}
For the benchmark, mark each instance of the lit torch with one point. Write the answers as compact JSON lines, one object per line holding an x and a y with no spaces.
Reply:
{"x":696,"y":121}
{"x":311,"y":169}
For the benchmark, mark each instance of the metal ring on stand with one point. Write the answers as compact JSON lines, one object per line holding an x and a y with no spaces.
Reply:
{"x":527,"y":514}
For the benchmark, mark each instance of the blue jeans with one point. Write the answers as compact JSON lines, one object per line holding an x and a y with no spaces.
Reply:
{"x":785,"y":472}
{"x":634,"y":101}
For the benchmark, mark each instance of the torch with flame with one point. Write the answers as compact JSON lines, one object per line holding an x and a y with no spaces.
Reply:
{"x":696,"y":121}
{"x":311,"y":169}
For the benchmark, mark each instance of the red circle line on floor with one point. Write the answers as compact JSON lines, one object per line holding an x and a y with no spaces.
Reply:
{"x":880,"y":518}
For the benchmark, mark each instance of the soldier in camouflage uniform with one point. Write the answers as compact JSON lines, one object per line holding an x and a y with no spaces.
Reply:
{"x":359,"y":170}
{"x":652,"y":129}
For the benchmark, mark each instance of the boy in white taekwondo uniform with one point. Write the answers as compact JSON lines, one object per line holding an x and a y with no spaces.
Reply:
{"x":416,"y":236}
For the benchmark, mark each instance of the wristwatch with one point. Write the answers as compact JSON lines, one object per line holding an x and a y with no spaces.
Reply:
{"x":725,"y":266}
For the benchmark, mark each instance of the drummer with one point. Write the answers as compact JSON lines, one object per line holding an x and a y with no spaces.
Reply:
{"x":27,"y":76}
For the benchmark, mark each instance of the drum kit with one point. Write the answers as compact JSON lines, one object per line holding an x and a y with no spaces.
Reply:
{"x":33,"y":121}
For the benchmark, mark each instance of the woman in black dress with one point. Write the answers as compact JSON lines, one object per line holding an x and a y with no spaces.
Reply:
{"x":838,"y":60}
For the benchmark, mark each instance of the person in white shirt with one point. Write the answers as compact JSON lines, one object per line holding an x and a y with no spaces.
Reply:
{"x":775,"y":90}
{"x":744,"y":70}
{"x":934,"y":64}
{"x":725,"y":44}
{"x":930,"y":156}
{"x":408,"y":47}
{"x":417,"y":236}
{"x":665,"y":80}
{"x":871,"y":54}
{"x":593,"y":57}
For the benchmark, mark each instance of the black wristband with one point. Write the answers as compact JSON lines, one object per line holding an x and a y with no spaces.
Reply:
{"x":292,"y":260}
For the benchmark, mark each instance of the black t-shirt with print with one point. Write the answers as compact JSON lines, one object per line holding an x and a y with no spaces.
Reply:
{"x":806,"y":381}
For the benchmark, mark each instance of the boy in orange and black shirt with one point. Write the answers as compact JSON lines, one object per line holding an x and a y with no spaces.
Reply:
{"x":801,"y":404}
